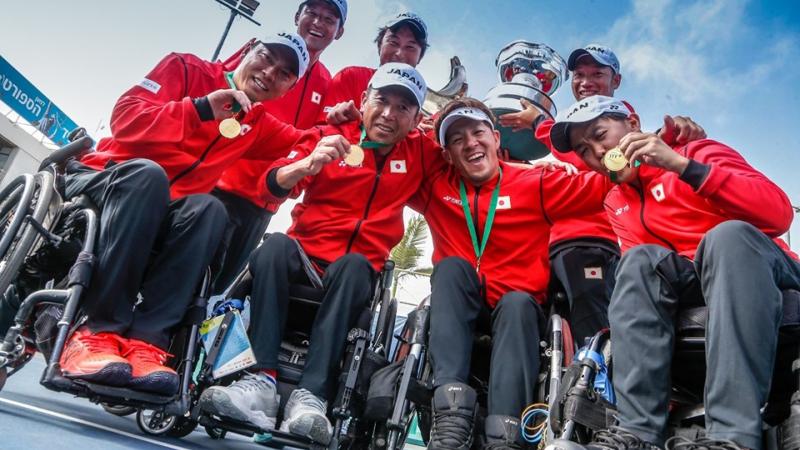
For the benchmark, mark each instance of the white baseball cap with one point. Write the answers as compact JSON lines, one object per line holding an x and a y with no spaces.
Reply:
{"x":400,"y":74}
{"x":414,"y":20}
{"x":583,"y":111}
{"x":461,"y":113}
{"x":294,"y":42}
{"x":601,"y":54}
{"x":341,"y":5}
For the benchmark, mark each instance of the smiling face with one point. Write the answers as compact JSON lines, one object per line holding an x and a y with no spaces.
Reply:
{"x":591,"y":141}
{"x":389,"y":114}
{"x":400,"y":46}
{"x":318,"y":24}
{"x":266,"y":72}
{"x":471,"y":146}
{"x":590,"y":78}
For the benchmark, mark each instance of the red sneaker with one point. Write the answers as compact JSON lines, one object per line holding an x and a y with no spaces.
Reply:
{"x":96,"y":358}
{"x":148,"y":370}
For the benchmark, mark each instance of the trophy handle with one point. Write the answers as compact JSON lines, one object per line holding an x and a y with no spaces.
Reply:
{"x":455,"y":88}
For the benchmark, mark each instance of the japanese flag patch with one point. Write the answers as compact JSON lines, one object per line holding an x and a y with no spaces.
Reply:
{"x":397,"y":166}
{"x":658,"y":192}
{"x":292,"y":154}
{"x":316,"y":97}
{"x":593,"y":273}
{"x":504,"y":202}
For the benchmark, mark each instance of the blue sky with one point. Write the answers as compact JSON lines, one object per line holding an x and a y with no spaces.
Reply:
{"x":733,"y":66}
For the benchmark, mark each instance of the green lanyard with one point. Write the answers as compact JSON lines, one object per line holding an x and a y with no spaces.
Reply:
{"x":489,"y":217}
{"x":235,"y":106}
{"x":368,"y":144}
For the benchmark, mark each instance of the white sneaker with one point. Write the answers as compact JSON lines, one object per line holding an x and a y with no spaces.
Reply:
{"x":304,"y":415}
{"x":252,"y":399}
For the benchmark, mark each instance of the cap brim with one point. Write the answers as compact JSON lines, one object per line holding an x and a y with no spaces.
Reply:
{"x":398,"y":85}
{"x":559,"y":137}
{"x":413,"y":24}
{"x":292,"y":51}
{"x":453,"y":118}
{"x":574,"y":56}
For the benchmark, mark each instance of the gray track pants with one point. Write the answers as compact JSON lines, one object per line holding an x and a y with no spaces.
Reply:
{"x":740,"y":273}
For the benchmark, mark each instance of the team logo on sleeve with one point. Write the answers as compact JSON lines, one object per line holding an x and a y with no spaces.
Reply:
{"x":504,"y":202}
{"x":150,"y":85}
{"x":397,"y":166}
{"x":658,"y":192}
{"x":316,"y":97}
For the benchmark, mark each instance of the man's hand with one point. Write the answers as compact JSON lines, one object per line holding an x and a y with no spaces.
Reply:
{"x":343,"y":112}
{"x":522,"y":120}
{"x":426,"y":125}
{"x":328,"y":149}
{"x":680,"y":130}
{"x":221,"y":102}
{"x":553,"y":166}
{"x":651,"y":150}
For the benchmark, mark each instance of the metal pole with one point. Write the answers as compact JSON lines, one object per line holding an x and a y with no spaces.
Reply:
{"x":224,"y":35}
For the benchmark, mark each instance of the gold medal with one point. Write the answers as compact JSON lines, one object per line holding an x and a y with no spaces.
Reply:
{"x":230,"y":128}
{"x":615,"y":160}
{"x":355,"y":157}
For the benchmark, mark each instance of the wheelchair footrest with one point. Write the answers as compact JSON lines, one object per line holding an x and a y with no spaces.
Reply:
{"x":108,"y":394}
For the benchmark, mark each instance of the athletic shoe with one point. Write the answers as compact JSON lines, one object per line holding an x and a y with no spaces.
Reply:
{"x":305,"y":415}
{"x":502,"y":433}
{"x":149,"y":374}
{"x":95,"y":358}
{"x":454,"y":408}
{"x":682,"y":443}
{"x":252,"y":399}
{"x":614,"y":438}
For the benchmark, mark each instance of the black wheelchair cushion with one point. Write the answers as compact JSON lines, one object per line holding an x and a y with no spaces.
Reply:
{"x":306,"y":294}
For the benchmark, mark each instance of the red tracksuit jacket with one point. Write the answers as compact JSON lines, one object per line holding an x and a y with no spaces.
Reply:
{"x":592,"y":225}
{"x":300,"y":107}
{"x":667,"y":211}
{"x":357,"y":209}
{"x":516,"y":256}
{"x":346,"y":85}
{"x":157,"y":120}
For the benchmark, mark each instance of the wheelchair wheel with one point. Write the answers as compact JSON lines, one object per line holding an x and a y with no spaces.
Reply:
{"x":155,"y":423}
{"x":22,"y":239}
{"x":215,"y":433}
{"x":182,"y":428}
{"x":118,"y":410}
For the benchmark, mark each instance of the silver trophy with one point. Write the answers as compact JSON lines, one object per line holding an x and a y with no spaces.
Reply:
{"x":526,"y":71}
{"x":456,"y":87}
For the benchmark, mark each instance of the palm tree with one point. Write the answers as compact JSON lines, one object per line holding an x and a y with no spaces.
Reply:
{"x":409,"y":250}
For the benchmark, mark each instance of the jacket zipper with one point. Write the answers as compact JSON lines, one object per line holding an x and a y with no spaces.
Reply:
{"x":303,"y":94}
{"x":366,"y":209}
{"x":194,"y":164}
{"x":641,"y":217}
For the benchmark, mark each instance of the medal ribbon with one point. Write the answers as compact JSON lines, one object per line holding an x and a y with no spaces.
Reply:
{"x":235,"y":106}
{"x":368,"y":144}
{"x":487,"y":228}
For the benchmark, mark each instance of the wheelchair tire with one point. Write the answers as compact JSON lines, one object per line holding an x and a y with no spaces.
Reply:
{"x":14,"y":201}
{"x":118,"y":410}
{"x":215,"y":433}
{"x":182,"y":428}
{"x":26,"y":236}
{"x":386,"y":321}
{"x":155,"y":423}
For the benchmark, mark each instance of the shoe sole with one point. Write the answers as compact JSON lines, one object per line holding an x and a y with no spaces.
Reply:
{"x":114,"y":374}
{"x":165,"y":383}
{"x":220,"y":404}
{"x":311,"y":427}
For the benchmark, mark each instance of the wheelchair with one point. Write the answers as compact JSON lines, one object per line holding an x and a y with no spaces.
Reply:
{"x":368,"y":344}
{"x":47,"y":258}
{"x":581,"y":411}
{"x":410,"y":389}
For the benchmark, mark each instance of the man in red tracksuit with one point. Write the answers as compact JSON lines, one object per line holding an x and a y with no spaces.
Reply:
{"x":159,"y":228}
{"x":584,"y":250}
{"x":350,"y":217}
{"x":490,"y":272}
{"x":697,"y":224}
{"x":319,"y":22}
{"x":404,"y":39}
